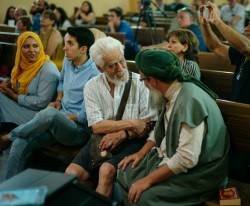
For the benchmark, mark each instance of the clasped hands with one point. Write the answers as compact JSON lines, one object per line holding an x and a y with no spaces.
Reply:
{"x":5,"y":88}
{"x":111,"y":140}
{"x":213,"y":14}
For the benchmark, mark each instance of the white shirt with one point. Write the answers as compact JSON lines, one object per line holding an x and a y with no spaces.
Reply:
{"x":190,"y":141}
{"x":100,"y":105}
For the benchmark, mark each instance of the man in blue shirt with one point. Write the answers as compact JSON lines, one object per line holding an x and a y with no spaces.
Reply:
{"x":185,"y":18}
{"x":65,"y":119}
{"x":117,"y":25}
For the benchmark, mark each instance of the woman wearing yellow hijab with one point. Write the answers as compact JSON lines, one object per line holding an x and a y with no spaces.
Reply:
{"x":33,"y":82}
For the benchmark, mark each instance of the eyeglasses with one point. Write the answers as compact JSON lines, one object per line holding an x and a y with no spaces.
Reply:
{"x":144,"y":78}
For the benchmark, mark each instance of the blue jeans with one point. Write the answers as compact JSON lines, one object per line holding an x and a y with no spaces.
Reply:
{"x":48,"y":126}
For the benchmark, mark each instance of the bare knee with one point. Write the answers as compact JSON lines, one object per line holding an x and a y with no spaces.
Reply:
{"x":75,"y":169}
{"x":107,"y":171}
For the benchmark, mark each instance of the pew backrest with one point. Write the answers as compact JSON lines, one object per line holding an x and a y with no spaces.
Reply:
{"x":118,"y":36}
{"x":7,"y":58}
{"x":219,"y":81}
{"x":6,"y":28}
{"x":146,"y":36}
{"x":8,"y":37}
{"x":237,"y":118}
{"x":209,"y":60}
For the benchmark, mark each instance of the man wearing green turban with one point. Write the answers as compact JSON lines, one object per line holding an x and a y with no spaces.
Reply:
{"x":185,"y":159}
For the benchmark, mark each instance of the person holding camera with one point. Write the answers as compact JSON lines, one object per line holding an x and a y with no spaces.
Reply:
{"x":84,"y":14}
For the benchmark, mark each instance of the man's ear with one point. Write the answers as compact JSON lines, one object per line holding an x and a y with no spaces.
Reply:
{"x":99,"y":68}
{"x":153,"y":81}
{"x":83,"y":49}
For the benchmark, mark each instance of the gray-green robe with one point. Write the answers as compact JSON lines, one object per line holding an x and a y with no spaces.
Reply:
{"x":199,"y":183}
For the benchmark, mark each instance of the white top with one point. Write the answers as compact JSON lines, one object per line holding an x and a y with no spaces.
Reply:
{"x":189,"y":148}
{"x":100,"y":105}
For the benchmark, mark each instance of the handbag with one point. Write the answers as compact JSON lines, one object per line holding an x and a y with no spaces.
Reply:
{"x":96,"y":156}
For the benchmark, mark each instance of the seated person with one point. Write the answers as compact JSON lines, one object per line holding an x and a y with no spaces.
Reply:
{"x":64,"y":120}
{"x":62,"y":20}
{"x":10,"y":16}
{"x":51,"y":38}
{"x":102,"y":96}
{"x":233,"y":14}
{"x":84,"y":15}
{"x":185,"y":159}
{"x":24,"y":24}
{"x":117,"y":25}
{"x":185,"y":18}
{"x":33,"y":82}
{"x":184,"y":44}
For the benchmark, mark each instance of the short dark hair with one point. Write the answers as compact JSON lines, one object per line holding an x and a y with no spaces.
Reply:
{"x":83,"y":36}
{"x":26,"y":22}
{"x":117,"y":10}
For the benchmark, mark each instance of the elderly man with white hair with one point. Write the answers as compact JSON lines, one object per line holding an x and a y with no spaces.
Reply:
{"x":103,"y":95}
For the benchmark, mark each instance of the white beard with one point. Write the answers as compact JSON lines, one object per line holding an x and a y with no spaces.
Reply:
{"x":117,"y":81}
{"x":157,"y":97}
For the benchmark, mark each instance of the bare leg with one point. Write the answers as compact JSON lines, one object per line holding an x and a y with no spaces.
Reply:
{"x":81,"y":174}
{"x":107,"y":175}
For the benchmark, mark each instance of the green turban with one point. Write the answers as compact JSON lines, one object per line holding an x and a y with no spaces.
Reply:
{"x":166,"y":67}
{"x":160,"y":64}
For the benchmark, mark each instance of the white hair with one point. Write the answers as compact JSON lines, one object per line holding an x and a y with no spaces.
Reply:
{"x":103,"y":46}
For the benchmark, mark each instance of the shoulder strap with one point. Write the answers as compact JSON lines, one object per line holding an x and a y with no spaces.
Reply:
{"x":124,"y":98}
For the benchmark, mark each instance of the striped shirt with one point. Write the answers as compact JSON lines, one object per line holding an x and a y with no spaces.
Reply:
{"x":191,"y":67}
{"x":100,"y":105}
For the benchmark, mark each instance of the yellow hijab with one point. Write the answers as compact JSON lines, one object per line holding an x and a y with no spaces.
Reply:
{"x":24,"y":71}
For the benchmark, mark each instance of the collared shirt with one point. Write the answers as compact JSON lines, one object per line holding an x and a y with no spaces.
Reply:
{"x":190,"y":141}
{"x":72,"y":82}
{"x":227,"y":14}
{"x":100,"y":105}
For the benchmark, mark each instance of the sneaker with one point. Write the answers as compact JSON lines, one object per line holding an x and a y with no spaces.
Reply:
{"x":4,"y":143}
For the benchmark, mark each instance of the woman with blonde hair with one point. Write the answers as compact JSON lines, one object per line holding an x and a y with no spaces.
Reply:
{"x":32,"y":85}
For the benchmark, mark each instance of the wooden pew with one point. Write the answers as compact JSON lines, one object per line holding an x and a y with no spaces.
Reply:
{"x":6,"y":28}
{"x":8,"y":37}
{"x":237,"y":118}
{"x":7,"y":58}
{"x":102,"y":20}
{"x":118,"y":36}
{"x":144,"y":35}
{"x":219,"y":81}
{"x":208,"y":60}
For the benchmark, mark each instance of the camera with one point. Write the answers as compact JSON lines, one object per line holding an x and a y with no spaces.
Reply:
{"x":145,"y":3}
